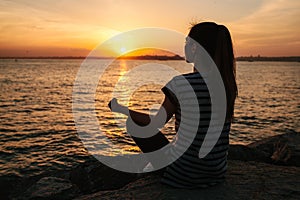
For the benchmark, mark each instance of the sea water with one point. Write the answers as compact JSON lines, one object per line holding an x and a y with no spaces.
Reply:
{"x":38,"y":131}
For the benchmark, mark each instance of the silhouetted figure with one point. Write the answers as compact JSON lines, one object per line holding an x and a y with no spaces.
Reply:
{"x":190,"y":171}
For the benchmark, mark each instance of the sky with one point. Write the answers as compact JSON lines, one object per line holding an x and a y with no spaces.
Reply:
{"x":75,"y":27}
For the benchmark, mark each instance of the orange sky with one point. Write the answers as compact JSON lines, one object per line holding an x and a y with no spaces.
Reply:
{"x":75,"y":27}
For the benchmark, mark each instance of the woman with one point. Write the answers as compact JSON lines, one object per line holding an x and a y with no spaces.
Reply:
{"x":190,"y":171}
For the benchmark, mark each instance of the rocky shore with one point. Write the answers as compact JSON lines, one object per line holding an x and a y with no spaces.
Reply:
{"x":268,"y":169}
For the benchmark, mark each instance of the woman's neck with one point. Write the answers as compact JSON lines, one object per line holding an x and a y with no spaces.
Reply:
{"x":201,"y":69}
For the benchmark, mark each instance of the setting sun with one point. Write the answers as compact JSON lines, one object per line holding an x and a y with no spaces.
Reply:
{"x":123,"y":50}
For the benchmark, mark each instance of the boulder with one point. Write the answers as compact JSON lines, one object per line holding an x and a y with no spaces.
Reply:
{"x":51,"y":188}
{"x":282,"y":149}
{"x":94,"y":176}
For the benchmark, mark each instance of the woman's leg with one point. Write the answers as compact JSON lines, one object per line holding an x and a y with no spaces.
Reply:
{"x":146,"y":144}
{"x":152,"y":143}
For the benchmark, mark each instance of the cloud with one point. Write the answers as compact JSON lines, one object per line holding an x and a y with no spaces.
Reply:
{"x":275,"y":24}
{"x":256,"y":25}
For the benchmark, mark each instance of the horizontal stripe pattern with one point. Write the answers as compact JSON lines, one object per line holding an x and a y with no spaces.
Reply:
{"x":189,"y":171}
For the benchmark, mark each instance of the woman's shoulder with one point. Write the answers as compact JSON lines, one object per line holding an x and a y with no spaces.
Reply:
{"x":192,"y":75}
{"x":189,"y":78}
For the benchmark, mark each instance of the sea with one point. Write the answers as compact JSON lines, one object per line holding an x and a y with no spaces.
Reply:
{"x":38,"y":131}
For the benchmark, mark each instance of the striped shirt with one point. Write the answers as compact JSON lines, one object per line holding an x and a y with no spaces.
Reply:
{"x":189,"y":171}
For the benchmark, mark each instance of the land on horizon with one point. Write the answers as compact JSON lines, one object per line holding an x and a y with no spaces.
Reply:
{"x":165,"y":57}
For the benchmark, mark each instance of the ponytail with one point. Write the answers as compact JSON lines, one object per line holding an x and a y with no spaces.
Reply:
{"x":225,"y":61}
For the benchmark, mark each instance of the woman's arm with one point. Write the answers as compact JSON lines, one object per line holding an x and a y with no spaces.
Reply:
{"x":163,"y":115}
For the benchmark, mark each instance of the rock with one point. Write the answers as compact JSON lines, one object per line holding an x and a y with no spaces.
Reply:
{"x":283,"y":149}
{"x":7,"y":183}
{"x":94,"y":176}
{"x":251,"y":175}
{"x":245,"y":180}
{"x":51,"y":188}
{"x":280,"y":149}
{"x":246,"y":153}
{"x":14,"y":185}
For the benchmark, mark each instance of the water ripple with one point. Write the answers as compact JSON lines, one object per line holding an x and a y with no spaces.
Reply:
{"x":38,"y":131}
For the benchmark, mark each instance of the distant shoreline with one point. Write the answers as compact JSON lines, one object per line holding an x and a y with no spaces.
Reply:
{"x":262,"y":58}
{"x":175,"y":57}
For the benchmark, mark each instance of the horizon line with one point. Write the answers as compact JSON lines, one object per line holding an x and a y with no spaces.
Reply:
{"x":161,"y":57}
{"x":126,"y":57}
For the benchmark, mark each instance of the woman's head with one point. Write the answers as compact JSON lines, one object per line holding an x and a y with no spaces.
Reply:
{"x":216,"y":40}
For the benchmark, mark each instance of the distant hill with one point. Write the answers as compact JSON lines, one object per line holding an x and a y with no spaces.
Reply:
{"x":151,"y":54}
{"x":262,"y":58}
{"x":153,"y":57}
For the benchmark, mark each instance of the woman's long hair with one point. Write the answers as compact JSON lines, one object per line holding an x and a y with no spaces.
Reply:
{"x":216,"y":40}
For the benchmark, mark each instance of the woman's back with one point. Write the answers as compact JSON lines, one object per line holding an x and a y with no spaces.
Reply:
{"x":189,"y":170}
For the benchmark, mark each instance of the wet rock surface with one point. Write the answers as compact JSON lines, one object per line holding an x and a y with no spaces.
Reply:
{"x":51,"y":188}
{"x":268,"y":169}
{"x":244,"y":180}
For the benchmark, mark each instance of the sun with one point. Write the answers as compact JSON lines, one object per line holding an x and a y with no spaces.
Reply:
{"x":123,"y":49}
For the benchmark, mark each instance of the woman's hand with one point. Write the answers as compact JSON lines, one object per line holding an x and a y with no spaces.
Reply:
{"x":116,"y":107}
